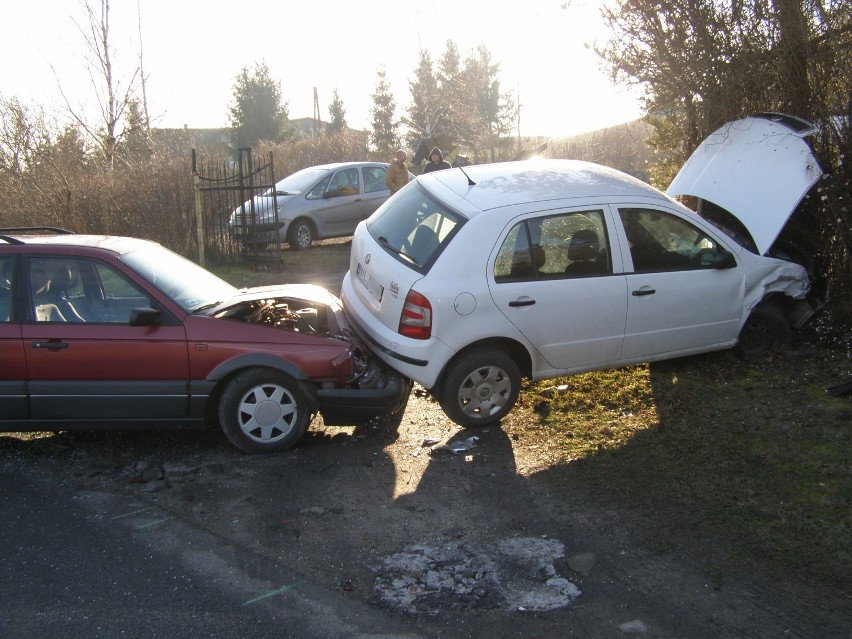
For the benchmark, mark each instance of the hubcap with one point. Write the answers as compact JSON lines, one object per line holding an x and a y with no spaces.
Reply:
{"x":267,"y":413}
{"x":303,"y":236}
{"x":485,"y":392}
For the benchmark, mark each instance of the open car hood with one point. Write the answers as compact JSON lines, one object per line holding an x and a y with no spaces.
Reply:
{"x":309,"y":293}
{"x":758,"y":168}
{"x":303,"y":308}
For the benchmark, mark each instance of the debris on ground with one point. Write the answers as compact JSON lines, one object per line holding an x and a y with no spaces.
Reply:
{"x":516,"y":574}
{"x":456,"y":448}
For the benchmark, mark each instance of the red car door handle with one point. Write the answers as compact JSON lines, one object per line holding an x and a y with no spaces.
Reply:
{"x":51,"y":345}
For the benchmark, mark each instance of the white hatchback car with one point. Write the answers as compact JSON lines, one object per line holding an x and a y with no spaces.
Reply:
{"x":467,"y":280}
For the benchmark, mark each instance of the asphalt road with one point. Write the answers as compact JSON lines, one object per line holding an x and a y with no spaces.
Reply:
{"x":90,"y":565}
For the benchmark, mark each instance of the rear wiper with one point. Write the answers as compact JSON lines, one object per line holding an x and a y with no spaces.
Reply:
{"x":400,"y":252}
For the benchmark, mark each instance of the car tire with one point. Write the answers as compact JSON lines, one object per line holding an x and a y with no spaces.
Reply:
{"x":480,"y":387}
{"x":765,"y":330}
{"x":300,"y":235}
{"x":263,"y":411}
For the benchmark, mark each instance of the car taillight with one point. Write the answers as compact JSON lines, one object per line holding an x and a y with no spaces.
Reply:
{"x":416,"y":318}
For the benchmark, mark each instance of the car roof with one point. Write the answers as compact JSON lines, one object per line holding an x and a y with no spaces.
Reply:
{"x":343,"y":165}
{"x":37,"y":236}
{"x":484,"y":187}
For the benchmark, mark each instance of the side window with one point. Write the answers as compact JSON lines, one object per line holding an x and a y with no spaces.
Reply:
{"x":7,"y":280}
{"x":660,"y":241}
{"x":555,"y":246}
{"x":73,"y":290}
{"x":119,"y":295}
{"x":374,"y":179}
{"x":344,"y":182}
{"x":319,"y":190}
{"x":55,"y":290}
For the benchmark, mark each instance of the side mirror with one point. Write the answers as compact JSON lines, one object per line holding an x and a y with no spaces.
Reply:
{"x":145,"y":316}
{"x":724,"y":259}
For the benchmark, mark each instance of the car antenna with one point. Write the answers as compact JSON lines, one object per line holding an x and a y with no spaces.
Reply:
{"x":469,"y":181}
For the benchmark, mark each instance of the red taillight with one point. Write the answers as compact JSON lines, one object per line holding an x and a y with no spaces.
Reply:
{"x":416,"y":318}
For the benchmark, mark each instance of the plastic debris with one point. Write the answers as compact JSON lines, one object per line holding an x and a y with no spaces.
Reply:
{"x":457,"y":448}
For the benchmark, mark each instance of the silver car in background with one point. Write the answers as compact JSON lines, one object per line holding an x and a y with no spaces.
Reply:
{"x":315,"y":203}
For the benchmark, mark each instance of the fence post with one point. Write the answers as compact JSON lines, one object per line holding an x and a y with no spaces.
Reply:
{"x":199,"y":215}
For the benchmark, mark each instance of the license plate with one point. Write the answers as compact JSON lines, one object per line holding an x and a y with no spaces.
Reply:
{"x":375,"y":289}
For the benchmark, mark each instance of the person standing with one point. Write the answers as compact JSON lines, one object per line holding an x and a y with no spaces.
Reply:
{"x":436,"y":161}
{"x":397,"y":176}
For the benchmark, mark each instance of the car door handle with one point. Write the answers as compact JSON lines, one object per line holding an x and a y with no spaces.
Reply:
{"x":53,"y":345}
{"x":644,"y":291}
{"x":523,"y":302}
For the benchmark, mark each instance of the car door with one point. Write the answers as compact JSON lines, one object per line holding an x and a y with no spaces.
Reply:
{"x":13,"y":372}
{"x":678,"y":299}
{"x":86,"y":360}
{"x":574,"y":315}
{"x":344,"y":202}
{"x":376,"y":191}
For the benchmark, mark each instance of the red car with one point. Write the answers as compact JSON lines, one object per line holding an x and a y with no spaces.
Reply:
{"x":100,"y":332}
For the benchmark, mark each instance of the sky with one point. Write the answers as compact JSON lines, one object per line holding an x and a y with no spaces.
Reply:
{"x":194,"y":49}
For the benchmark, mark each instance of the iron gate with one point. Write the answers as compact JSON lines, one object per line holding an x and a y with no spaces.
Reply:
{"x":237,"y":210}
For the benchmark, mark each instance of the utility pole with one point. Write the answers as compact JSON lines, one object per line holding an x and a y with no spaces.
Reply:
{"x":317,"y":119}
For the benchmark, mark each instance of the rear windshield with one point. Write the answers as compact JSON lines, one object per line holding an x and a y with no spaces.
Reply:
{"x":414,"y":227}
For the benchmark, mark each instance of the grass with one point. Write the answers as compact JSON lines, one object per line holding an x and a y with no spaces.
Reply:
{"x":326,"y":261}
{"x":751,"y":455}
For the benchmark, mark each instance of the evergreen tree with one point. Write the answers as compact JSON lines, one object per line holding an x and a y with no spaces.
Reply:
{"x":493,"y":113}
{"x":136,"y":145}
{"x":337,"y":114}
{"x":384,"y":137}
{"x":425,"y":114}
{"x":453,"y":96}
{"x":257,"y":112}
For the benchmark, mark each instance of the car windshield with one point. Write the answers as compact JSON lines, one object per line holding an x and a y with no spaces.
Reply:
{"x":298,"y":181}
{"x":184,"y":282}
{"x":414,"y":227}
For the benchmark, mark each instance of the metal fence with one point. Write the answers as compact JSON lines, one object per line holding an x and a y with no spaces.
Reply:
{"x":236,"y":210}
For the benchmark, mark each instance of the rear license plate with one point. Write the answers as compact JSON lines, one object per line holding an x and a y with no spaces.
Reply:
{"x":375,"y":289}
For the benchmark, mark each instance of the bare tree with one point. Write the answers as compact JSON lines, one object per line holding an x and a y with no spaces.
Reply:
{"x":22,"y":131}
{"x":114,"y":94}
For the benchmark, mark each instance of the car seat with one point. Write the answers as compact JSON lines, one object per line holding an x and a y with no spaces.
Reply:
{"x":424,"y":242}
{"x":62,"y":280}
{"x":521,"y":264}
{"x":584,"y":253}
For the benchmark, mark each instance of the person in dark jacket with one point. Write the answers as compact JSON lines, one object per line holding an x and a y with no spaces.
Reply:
{"x":436,"y":161}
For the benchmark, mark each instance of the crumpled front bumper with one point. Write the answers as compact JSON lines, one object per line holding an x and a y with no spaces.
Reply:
{"x":350,"y":406}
